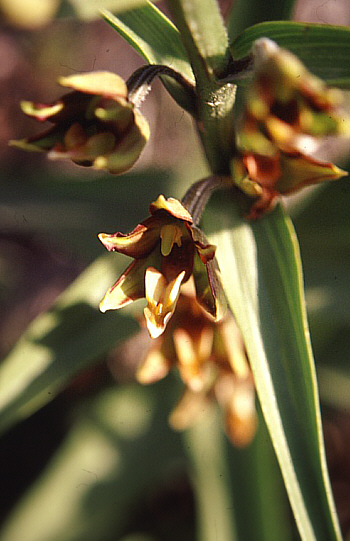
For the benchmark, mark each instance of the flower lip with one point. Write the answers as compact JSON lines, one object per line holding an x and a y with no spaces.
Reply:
{"x":162,"y":297}
{"x":170,"y":234}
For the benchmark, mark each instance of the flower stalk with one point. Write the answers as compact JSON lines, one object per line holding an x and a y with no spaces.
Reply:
{"x":139,"y":83}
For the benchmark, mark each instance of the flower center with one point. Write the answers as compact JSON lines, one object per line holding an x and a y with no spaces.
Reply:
{"x":170,"y":234}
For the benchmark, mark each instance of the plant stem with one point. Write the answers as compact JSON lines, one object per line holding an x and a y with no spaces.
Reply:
{"x":197,"y":196}
{"x":205,"y":445}
{"x":204,"y":36}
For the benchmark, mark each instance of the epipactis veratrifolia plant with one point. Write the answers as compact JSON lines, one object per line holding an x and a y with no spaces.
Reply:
{"x":98,"y":124}
{"x":262,"y":155}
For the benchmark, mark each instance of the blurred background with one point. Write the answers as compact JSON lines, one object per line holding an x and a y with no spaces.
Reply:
{"x":99,"y":461}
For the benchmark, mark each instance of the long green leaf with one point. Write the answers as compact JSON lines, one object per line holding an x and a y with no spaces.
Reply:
{"x":60,"y":343}
{"x":325,"y":49}
{"x":258,"y":491}
{"x":90,"y":9}
{"x":261,"y":274}
{"x":245,"y":13}
{"x":156,"y":39}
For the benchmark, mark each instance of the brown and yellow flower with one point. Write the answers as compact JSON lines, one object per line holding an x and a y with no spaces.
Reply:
{"x":167,"y":249}
{"x":267,"y":177}
{"x":287,"y":103}
{"x":287,"y":109}
{"x":212,"y":363}
{"x":93,"y":125}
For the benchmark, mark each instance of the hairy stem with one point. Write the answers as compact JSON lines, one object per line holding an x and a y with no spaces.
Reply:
{"x":197,"y":196}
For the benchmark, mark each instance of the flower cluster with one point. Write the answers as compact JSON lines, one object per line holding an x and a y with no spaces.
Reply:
{"x":167,"y":249}
{"x":212,"y":363}
{"x":286,"y":110}
{"x":93,"y":125}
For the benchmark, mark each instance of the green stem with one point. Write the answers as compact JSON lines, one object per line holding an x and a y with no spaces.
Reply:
{"x":204,"y":36}
{"x":206,"y":449}
{"x":198,"y":195}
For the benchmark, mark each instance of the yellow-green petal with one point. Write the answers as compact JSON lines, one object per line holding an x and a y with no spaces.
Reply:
{"x":136,"y":244}
{"x":299,"y":171}
{"x":101,"y":83}
{"x":128,"y":288}
{"x":128,"y":149}
{"x":172,"y":206}
{"x":41,"y":112}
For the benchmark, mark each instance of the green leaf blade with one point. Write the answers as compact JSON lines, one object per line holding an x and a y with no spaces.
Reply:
{"x":157,"y":40}
{"x":204,"y":35}
{"x":323,"y":48}
{"x":59,"y":343}
{"x":90,"y":9}
{"x":261,"y":274}
{"x":245,"y":13}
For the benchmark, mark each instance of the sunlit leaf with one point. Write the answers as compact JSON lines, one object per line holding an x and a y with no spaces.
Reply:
{"x":59,"y":343}
{"x":90,"y":9}
{"x":203,"y":33}
{"x":261,"y":274}
{"x":157,"y":40}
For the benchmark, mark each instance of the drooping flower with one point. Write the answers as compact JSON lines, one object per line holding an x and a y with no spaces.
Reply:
{"x":267,"y":177}
{"x":167,"y":249}
{"x":288,"y":103}
{"x":287,"y":109}
{"x":93,"y":125}
{"x":212,"y":363}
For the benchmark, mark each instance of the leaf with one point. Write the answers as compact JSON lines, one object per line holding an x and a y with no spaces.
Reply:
{"x":156,"y":39}
{"x":114,"y":454}
{"x":325,"y":267}
{"x":324,"y":49}
{"x":203,"y":33}
{"x":245,"y":13}
{"x":261,"y":274}
{"x":258,"y":491}
{"x":90,"y":9}
{"x":61,"y":342}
